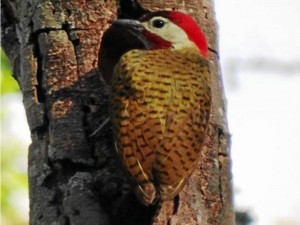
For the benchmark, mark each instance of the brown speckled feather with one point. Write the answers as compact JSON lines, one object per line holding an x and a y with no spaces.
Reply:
{"x":160,"y":109}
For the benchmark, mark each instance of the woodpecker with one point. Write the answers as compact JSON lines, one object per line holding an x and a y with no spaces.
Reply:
{"x":160,"y":102}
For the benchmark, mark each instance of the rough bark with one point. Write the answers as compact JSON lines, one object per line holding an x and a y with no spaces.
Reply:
{"x":77,"y":179}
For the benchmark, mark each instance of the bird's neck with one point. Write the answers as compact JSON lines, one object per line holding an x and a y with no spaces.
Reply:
{"x":185,"y":45}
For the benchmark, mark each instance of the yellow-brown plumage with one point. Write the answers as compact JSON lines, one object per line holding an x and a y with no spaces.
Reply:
{"x":160,"y":109}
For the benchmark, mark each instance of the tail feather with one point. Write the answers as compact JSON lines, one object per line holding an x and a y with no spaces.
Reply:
{"x":146,"y":193}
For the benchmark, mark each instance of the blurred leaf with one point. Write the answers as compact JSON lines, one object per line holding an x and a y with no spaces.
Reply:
{"x":8,"y":83}
{"x":14,"y":185}
{"x":14,"y":181}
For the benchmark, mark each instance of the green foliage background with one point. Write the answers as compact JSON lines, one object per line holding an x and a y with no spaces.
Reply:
{"x":8,"y":83}
{"x":14,"y":184}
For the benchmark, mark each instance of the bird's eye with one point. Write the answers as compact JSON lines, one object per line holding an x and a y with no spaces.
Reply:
{"x":158,"y":23}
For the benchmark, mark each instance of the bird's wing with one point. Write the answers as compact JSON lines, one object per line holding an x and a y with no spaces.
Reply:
{"x":185,"y":130}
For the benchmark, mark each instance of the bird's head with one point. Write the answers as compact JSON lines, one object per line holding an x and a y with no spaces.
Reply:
{"x":167,"y":30}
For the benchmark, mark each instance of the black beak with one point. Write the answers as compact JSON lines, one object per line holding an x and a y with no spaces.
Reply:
{"x":132,"y":25}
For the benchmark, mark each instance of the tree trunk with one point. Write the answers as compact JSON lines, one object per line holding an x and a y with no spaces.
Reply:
{"x":76,"y":178}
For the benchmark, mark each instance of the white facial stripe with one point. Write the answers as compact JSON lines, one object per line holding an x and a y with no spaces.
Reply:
{"x":170,"y":32}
